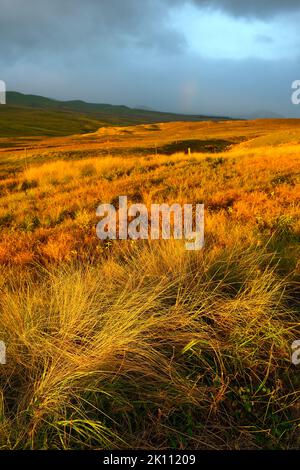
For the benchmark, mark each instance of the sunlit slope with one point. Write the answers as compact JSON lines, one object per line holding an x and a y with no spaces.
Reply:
{"x":156,"y":138}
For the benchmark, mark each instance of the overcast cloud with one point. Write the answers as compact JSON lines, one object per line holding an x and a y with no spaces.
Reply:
{"x":195,"y":56}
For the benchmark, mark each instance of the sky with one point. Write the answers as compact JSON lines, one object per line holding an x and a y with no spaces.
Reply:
{"x":222,"y":57}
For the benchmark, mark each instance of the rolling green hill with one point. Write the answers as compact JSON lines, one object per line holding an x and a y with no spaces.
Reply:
{"x":31,"y":115}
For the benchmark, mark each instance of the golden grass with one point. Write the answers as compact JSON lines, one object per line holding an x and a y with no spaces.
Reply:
{"x":143,"y":344}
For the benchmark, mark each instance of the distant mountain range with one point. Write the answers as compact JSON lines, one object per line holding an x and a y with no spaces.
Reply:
{"x":144,"y":107}
{"x":263,"y":114}
{"x":37,"y":115}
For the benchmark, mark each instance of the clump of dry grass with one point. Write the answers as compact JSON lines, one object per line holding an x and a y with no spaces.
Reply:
{"x":114,"y":355}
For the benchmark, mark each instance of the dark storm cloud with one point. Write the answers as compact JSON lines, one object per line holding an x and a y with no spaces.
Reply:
{"x":40,"y":25}
{"x":35,"y":27}
{"x":257,"y":8}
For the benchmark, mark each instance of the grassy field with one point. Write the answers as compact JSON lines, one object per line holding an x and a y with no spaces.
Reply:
{"x":142,"y":344}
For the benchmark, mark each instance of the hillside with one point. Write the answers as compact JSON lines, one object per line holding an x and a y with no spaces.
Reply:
{"x":32,"y":115}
